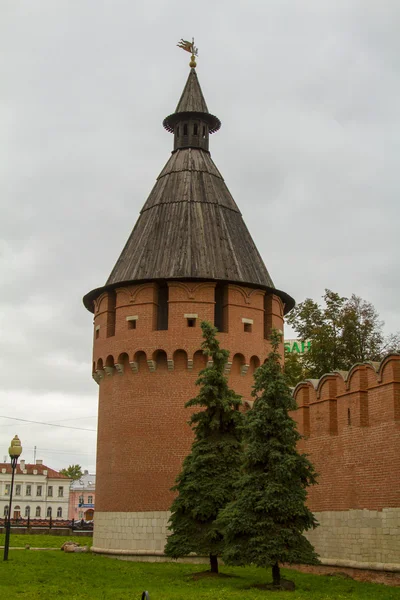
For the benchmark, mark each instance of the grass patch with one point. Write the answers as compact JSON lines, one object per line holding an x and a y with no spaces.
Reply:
{"x":44,"y":541}
{"x":48,"y":575}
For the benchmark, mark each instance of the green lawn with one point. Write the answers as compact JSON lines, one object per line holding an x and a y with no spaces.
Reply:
{"x":44,"y":541}
{"x":46,"y":575}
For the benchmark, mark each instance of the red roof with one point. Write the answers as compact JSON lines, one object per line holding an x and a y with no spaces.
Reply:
{"x":51,"y":473}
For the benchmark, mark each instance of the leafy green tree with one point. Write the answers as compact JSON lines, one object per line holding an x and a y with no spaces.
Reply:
{"x":294,"y":368}
{"x":73,"y":471}
{"x":265,"y":522}
{"x":205,"y":484}
{"x":343,"y":332}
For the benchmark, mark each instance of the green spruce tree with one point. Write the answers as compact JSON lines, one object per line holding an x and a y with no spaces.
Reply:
{"x":205,"y":484}
{"x":265,"y":522}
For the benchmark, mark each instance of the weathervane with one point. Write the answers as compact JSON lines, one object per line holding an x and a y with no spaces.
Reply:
{"x":189,"y":47}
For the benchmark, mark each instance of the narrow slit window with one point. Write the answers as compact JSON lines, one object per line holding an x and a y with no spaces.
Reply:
{"x":195,"y":129}
{"x":177,"y":131}
{"x":247,"y":327}
{"x":348,"y":417}
{"x":97,"y":333}
{"x":131,"y":324}
{"x":185,"y":130}
{"x":204,"y":131}
{"x":162,"y":308}
{"x":191,"y":322}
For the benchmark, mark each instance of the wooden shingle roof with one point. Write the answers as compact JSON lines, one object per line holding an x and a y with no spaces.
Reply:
{"x":190,"y":226}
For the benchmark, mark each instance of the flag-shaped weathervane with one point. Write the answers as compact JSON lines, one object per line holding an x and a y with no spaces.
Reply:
{"x":189,"y":47}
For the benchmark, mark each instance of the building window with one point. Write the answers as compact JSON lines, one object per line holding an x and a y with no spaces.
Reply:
{"x":111,"y":314}
{"x":348,"y":417}
{"x":18,"y":489}
{"x":162,"y":309}
{"x":49,"y":512}
{"x":27,"y":511}
{"x":37,"y":511}
{"x":177,"y":131}
{"x":191,"y":322}
{"x":90,"y":499}
{"x":17,"y":512}
{"x":81,"y":515}
{"x":220,"y":300}
{"x":7,"y":489}
{"x":247,"y":327}
{"x":204,"y":131}
{"x":39,"y":490}
{"x":6,"y":511}
{"x":29,"y":490}
{"x":97,"y":332}
{"x":59,"y":512}
{"x":60,"y":492}
{"x":185,"y":131}
{"x":81,"y":500}
{"x":50,"y":490}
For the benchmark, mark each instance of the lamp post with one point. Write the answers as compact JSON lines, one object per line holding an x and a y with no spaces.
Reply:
{"x":15,"y":452}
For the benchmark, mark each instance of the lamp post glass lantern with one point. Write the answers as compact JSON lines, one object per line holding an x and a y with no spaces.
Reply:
{"x":14,"y":451}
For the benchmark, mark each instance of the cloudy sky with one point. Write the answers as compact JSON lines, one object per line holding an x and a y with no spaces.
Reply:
{"x":307,"y":92}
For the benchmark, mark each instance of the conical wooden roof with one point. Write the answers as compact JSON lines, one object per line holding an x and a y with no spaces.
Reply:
{"x":190,"y":226}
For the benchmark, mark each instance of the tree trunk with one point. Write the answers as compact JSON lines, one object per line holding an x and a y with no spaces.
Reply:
{"x":214,"y":563}
{"x":276,"y":574}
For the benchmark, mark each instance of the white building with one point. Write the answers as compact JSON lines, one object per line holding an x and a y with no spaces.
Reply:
{"x":39,"y":492}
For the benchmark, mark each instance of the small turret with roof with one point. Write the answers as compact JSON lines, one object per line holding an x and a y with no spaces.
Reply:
{"x":189,"y":258}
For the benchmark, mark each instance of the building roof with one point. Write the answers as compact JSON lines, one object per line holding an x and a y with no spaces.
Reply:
{"x":190,"y":227}
{"x":29,"y":468}
{"x":87,"y":481}
{"x":192,"y":103}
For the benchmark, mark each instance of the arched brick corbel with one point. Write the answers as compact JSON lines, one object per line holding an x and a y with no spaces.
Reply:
{"x":134,"y":366}
{"x":119,"y":368}
{"x":244,"y":369}
{"x":100,"y":373}
{"x":152,"y":365}
{"x":109,"y":371}
{"x":228,"y":367}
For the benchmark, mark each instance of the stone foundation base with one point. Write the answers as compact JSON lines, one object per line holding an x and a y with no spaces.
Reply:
{"x":363,"y":539}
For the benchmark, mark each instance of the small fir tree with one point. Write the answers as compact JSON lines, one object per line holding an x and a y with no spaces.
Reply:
{"x":264,"y":525}
{"x":205,"y":484}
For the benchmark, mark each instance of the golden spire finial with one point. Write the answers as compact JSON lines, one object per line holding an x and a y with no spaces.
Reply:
{"x":189,"y":47}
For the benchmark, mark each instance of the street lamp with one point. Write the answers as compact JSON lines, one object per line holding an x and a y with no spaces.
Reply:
{"x":15,"y":452}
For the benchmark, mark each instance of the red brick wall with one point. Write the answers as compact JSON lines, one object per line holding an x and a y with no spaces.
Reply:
{"x":143,"y":434}
{"x":352,"y":429}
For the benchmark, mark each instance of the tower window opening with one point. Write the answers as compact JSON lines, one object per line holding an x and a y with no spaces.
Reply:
{"x":111,"y":314}
{"x":177,"y":131}
{"x":204,"y":131}
{"x":247,"y":327}
{"x":195,"y":129}
{"x":348,"y":417}
{"x":97,"y":333}
{"x":131,"y":322}
{"x":219,"y":295}
{"x":162,"y":309}
{"x":191,"y":322}
{"x":185,"y":129}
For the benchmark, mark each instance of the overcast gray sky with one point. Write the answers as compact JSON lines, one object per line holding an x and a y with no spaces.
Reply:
{"x":307,"y":92}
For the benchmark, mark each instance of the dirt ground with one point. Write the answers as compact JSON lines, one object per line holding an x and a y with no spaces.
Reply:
{"x":385,"y":577}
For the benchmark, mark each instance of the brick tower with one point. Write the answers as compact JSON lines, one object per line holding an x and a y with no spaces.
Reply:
{"x":189,"y":258}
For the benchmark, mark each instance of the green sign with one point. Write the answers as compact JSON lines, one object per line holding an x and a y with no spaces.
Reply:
{"x":299,"y":346}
